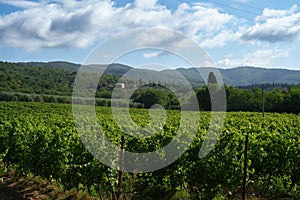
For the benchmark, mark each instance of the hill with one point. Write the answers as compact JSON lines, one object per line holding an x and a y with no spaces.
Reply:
{"x":242,"y":76}
{"x":57,"y":78}
{"x":53,"y":82}
{"x":252,"y":75}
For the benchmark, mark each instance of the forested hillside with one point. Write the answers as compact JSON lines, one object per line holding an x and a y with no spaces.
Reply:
{"x":53,"y":82}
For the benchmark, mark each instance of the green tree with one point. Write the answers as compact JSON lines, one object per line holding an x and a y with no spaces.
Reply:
{"x":212,"y":78}
{"x":152,"y":96}
{"x":203,"y":97}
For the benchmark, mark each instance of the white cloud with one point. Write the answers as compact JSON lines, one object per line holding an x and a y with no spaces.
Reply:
{"x":71,"y":23}
{"x":198,"y":18}
{"x":271,"y":13}
{"x":79,"y":24}
{"x":220,"y":39}
{"x":20,"y":3}
{"x":145,"y":4}
{"x":274,"y":26}
{"x":261,"y":57}
{"x":152,"y":54}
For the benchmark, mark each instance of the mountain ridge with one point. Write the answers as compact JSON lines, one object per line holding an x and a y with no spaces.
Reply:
{"x":238,"y":76}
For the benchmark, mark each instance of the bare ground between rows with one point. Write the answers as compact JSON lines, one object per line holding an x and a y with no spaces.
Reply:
{"x":13,"y":187}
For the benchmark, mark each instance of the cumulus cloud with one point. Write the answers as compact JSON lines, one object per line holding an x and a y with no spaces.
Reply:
{"x":271,"y":13}
{"x":198,"y":17}
{"x":220,"y":39}
{"x":20,"y":3}
{"x":261,"y":57}
{"x":274,"y":26}
{"x":145,"y":4}
{"x":79,"y":24}
{"x":71,"y":23}
{"x":64,"y":24}
{"x":153,"y":54}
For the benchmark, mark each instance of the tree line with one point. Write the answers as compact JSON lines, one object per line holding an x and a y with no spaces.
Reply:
{"x":237,"y":99}
{"x":276,"y":100}
{"x":27,"y":83}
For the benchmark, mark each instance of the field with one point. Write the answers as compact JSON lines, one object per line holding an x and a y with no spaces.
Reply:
{"x":41,"y":139}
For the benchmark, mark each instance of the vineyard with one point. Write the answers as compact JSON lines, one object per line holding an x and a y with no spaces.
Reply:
{"x":41,"y":139}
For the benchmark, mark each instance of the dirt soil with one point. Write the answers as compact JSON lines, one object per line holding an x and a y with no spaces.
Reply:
{"x":9,"y":190}
{"x":9,"y":193}
{"x":12,"y":188}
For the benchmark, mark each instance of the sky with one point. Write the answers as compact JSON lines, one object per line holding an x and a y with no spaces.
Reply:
{"x":261,"y":33}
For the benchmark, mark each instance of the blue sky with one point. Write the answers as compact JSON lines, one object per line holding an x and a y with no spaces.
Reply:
{"x":263,"y":33}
